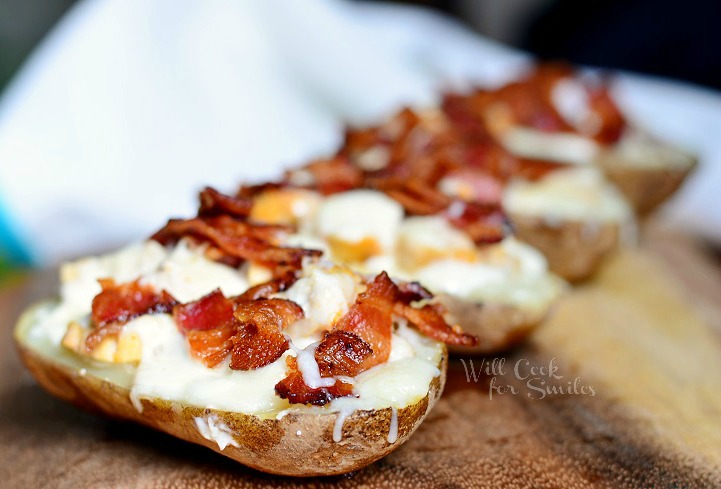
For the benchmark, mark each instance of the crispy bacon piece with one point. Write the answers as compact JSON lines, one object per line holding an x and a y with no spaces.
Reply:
{"x":213,"y":203}
{"x":283,"y":280}
{"x":236,"y":239}
{"x":211,"y":346}
{"x":250,"y":331}
{"x":328,"y":176}
{"x":209,"y":325}
{"x":371,"y":319}
{"x":429,"y":321}
{"x":210,"y":311}
{"x":341,"y":353}
{"x":412,"y":291}
{"x":252,"y":191}
{"x":296,"y":391}
{"x":613,"y":123}
{"x":258,"y":340}
{"x":361,"y":339}
{"x":417,"y":197}
{"x":116,"y":304}
{"x":485,"y":224}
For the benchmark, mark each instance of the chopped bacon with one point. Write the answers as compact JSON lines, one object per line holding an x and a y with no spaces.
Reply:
{"x":429,"y":321}
{"x":371,"y":319}
{"x":236,"y":239}
{"x":476,"y":185}
{"x":416,"y":196}
{"x":258,"y":340}
{"x":412,"y":291}
{"x":328,"y":176}
{"x":361,"y":338}
{"x":211,"y":311}
{"x":296,"y":391}
{"x":483,"y":223}
{"x":282,"y":281}
{"x":341,"y":353}
{"x":251,"y":191}
{"x":213,"y":203}
{"x":612,"y":121}
{"x":530,"y":100}
{"x":211,"y":346}
{"x":116,"y":304}
{"x":248,"y":330}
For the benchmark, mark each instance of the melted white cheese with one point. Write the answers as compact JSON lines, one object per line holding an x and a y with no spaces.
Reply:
{"x":433,"y":232}
{"x":359,"y":214}
{"x":446,"y":260}
{"x":564,"y":147}
{"x":324,"y":293}
{"x":188,"y":275}
{"x":574,"y":194}
{"x":79,"y":278}
{"x":168,"y":371}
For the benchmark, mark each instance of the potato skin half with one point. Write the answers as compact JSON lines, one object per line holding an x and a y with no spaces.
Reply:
{"x":644,"y":188}
{"x":499,"y":327}
{"x":574,"y":249}
{"x":269,"y":445}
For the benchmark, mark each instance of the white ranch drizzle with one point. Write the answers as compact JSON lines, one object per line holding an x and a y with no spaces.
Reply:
{"x":343,"y":414}
{"x":214,"y":429}
{"x":393,"y":431}
{"x":308,"y":367}
{"x":135,"y":401}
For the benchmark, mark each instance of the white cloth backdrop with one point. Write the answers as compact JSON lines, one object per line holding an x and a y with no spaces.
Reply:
{"x":129,"y":106}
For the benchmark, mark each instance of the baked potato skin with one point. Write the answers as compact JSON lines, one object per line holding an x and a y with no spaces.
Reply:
{"x":574,"y":249}
{"x":645,"y":188}
{"x":269,"y":445}
{"x":499,"y":327}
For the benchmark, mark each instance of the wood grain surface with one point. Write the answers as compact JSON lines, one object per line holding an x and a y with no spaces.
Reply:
{"x":644,"y":336}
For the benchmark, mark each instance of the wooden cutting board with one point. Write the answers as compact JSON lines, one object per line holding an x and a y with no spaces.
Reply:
{"x":644,"y":338}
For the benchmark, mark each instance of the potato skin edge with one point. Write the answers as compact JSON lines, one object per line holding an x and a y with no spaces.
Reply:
{"x":574,"y":249}
{"x":499,"y":327}
{"x":644,"y":188}
{"x":268,"y":445}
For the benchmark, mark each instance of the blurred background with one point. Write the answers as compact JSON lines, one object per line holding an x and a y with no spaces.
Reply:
{"x":104,"y":99}
{"x":660,"y":37}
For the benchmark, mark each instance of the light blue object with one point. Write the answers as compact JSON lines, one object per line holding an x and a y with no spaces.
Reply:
{"x":12,"y":249}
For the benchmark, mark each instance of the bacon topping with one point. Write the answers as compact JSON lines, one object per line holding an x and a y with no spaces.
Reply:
{"x":371,"y":319}
{"x":258,"y":341}
{"x":483,"y":223}
{"x":213,"y":203}
{"x":284,"y":278}
{"x":296,"y":391}
{"x":412,"y":291}
{"x":341,"y":353}
{"x":210,"y":311}
{"x":361,"y":339}
{"x":429,"y":321}
{"x":328,"y":176}
{"x":116,"y":304}
{"x":417,"y":197}
{"x":236,"y":239}
{"x":248,"y":330}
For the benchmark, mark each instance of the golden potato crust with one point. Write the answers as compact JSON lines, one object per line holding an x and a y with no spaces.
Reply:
{"x":645,"y":188}
{"x":574,"y":249}
{"x":498,"y":326}
{"x":296,"y":445}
